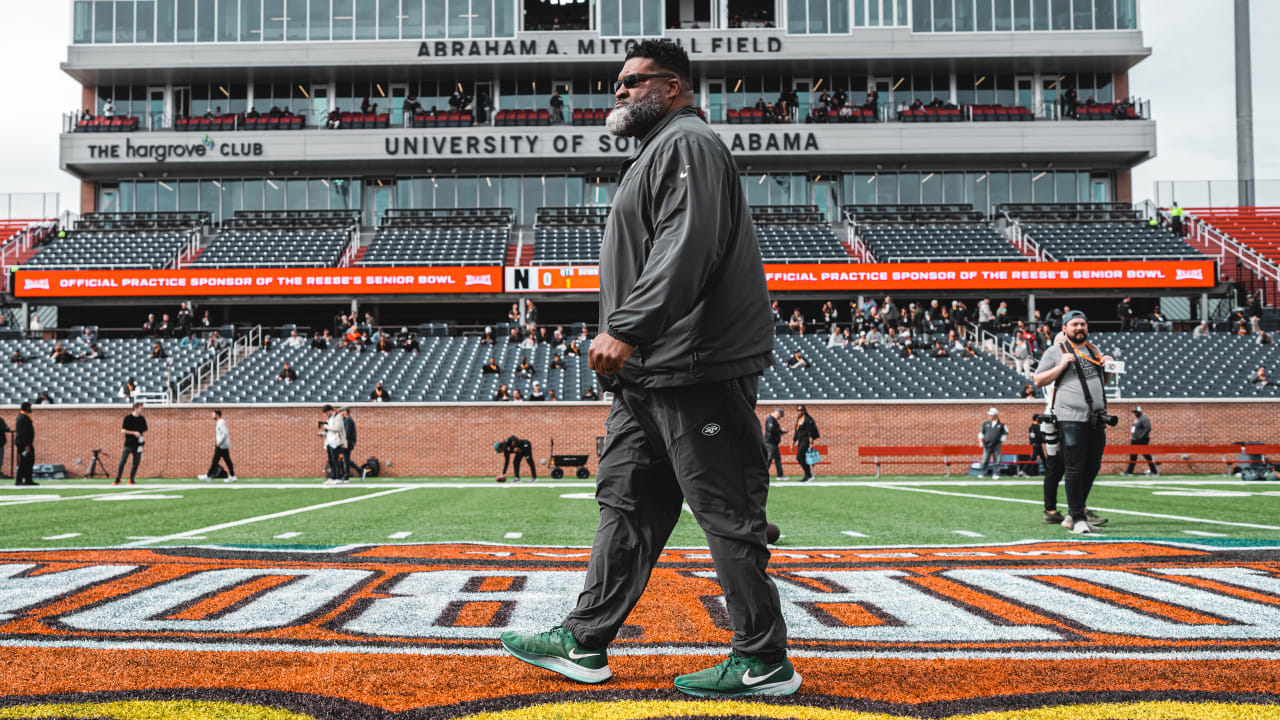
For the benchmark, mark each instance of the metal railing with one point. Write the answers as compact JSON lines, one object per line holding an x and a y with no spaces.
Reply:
{"x":213,"y":368}
{"x":1210,"y":237}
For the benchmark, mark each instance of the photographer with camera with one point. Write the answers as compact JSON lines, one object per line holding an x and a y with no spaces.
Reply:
{"x":1077,"y":371}
{"x":134,"y":429}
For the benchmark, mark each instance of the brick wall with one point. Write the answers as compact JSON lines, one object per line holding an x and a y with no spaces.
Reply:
{"x":457,"y":441}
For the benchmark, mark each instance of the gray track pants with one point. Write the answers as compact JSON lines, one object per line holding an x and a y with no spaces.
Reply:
{"x":699,"y":445}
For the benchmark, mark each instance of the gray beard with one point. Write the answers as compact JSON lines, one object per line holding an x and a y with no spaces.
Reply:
{"x":635,"y":119}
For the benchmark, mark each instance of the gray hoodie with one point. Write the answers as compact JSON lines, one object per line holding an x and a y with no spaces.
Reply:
{"x":680,"y":271}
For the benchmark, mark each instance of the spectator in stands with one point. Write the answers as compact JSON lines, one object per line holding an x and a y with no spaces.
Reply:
{"x":44,"y":398}
{"x":1202,"y":330}
{"x":1028,"y":391}
{"x":1124,"y":312}
{"x":991,"y":438}
{"x":873,"y":337}
{"x":190,"y":342}
{"x":318,"y":342}
{"x":17,"y":358}
{"x":268,"y":342}
{"x":825,"y":101}
{"x":514,"y":336}
{"x":590,"y":393}
{"x":557,"y":362}
{"x":1259,"y":377}
{"x":411,"y":104}
{"x":128,"y":389}
{"x":986,"y":318}
{"x":530,"y":314}
{"x":95,"y":353}
{"x":955,"y":341}
{"x":796,"y":324}
{"x":829,"y":313}
{"x":840,"y":99}
{"x":557,"y":337}
{"x":1021,"y":356}
{"x":379,"y":394}
{"x":530,"y":340}
{"x":837,"y":338}
{"x":557,"y":107}
{"x":165,"y":328}
{"x":806,"y":431}
{"x":939,"y":350}
{"x":488,"y":337}
{"x":205,"y":321}
{"x":513,"y":315}
{"x":287,"y":374}
{"x":536,"y":394}
{"x":525,"y":367}
{"x":1255,"y":311}
{"x":1264,"y":338}
{"x":1044,"y":336}
{"x":551,"y":396}
{"x":60,"y":354}
{"x":385,"y":343}
{"x":334,"y":120}
{"x":216,"y":341}
{"x":1070,"y":102}
{"x":777,"y":311}
{"x":889,"y":312}
{"x":109,"y":108}
{"x":1158,"y":321}
{"x":295,"y":340}
{"x":502,"y":394}
{"x":517,"y":396}
{"x":409,"y":341}
{"x":365,"y":107}
{"x":353,"y":339}
{"x":1003,"y":322}
{"x":798,"y":362}
{"x":149,"y":327}
{"x":491,"y":367}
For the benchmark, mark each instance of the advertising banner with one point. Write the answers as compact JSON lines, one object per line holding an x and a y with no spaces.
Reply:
{"x":189,"y":282}
{"x":553,"y":278}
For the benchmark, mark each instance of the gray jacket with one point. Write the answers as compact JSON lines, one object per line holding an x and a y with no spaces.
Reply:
{"x":681,"y":277}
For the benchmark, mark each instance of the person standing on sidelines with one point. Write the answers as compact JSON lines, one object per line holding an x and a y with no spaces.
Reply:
{"x":134,"y":428}
{"x":805,"y":433}
{"x":349,"y":427}
{"x":991,"y":439}
{"x":772,"y":439}
{"x":221,"y":449}
{"x":679,"y":248}
{"x":333,"y":430}
{"x":1140,"y":434}
{"x":24,"y":438}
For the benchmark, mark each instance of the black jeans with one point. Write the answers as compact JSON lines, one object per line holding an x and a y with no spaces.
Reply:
{"x":347,"y":465}
{"x":136,"y":452}
{"x":26,"y":466}
{"x":1082,"y":448}
{"x":801,"y":450}
{"x":337,"y":469}
{"x":774,"y":455}
{"x":1133,"y":459}
{"x":1053,"y":468}
{"x":221,"y":454}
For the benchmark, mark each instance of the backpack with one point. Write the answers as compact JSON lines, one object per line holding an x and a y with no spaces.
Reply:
{"x":372,"y":467}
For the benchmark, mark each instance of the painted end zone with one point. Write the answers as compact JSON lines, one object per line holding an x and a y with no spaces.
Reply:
{"x":1088,"y":630}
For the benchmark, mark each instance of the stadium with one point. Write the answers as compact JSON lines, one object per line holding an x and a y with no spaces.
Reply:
{"x":301,"y":217}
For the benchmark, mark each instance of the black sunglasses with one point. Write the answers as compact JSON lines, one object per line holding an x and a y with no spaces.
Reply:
{"x":635,"y":79}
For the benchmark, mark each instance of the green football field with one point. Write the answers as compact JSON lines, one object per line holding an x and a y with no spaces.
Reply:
{"x":833,"y":512}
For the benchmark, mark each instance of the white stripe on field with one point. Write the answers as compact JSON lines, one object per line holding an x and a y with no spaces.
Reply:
{"x":287,"y":535}
{"x":1067,"y":653}
{"x":399,"y":535}
{"x":513,"y":536}
{"x":1202,"y":533}
{"x":853,"y":533}
{"x":967,"y":533}
{"x":63,"y":536}
{"x":1114,"y":511}
{"x":261,"y":518}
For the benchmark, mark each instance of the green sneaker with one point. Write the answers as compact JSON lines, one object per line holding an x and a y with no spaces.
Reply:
{"x":558,"y":651}
{"x":741,"y":675}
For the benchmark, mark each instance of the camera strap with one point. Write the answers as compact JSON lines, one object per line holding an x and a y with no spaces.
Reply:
{"x":1084,"y":383}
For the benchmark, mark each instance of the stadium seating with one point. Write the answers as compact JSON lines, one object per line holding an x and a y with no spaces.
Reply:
{"x":1068,"y":212}
{"x":590,"y":116}
{"x":1256,"y":228}
{"x":1000,"y":113}
{"x":1107,"y":111}
{"x":108,"y":124}
{"x":569,"y":235}
{"x":915,"y":243}
{"x":1178,"y":365}
{"x":93,"y":381}
{"x":523,"y":118}
{"x":149,"y":240}
{"x":854,"y":115}
{"x":933,"y":115}
{"x":795,"y":233}
{"x":267,"y":122}
{"x":912,"y":214}
{"x":274,"y":248}
{"x":407,"y":247}
{"x":358,"y":121}
{"x":1109,"y":241}
{"x":447,"y":118}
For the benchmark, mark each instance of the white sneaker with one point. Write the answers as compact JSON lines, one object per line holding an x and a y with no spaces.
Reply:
{"x":1082,"y":527}
{"x":782,"y":478}
{"x":331,"y":481}
{"x":233,"y":478}
{"x":202,"y":478}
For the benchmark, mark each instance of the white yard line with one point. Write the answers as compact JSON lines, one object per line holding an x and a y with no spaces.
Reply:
{"x":286,"y":536}
{"x":64,"y":536}
{"x":513,"y":536}
{"x":18,"y":500}
{"x":850,"y":533}
{"x":1113,"y":511}
{"x":261,"y":518}
{"x":1202,"y":533}
{"x":399,"y":535}
{"x":967,"y":533}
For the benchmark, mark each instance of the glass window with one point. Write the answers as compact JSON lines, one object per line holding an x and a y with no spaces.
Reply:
{"x":942,"y":16}
{"x":166,"y":196}
{"x":1003,"y":16}
{"x":982,"y":16}
{"x":610,"y":17}
{"x":817,"y":16}
{"x":210,"y":199}
{"x":999,"y":189}
{"x":411,"y":20}
{"x":319,"y":20}
{"x":83,"y":24}
{"x":1105,"y":91}
{"x":459,"y":27}
{"x":931,"y":188}
{"x":1042,"y":187}
{"x":206,"y":21}
{"x":511,"y":194}
{"x":1061,"y":14}
{"x":481,"y":18}
{"x":886,"y":14}
{"x":228,"y":23}
{"x":189,"y":195}
{"x":873,"y":13}
{"x":466,"y":189}
{"x":166,"y":14}
{"x":343,"y":16}
{"x":250,"y":20}
{"x":389,"y":19}
{"x":984,"y":90}
{"x":964,"y":90}
{"x":1065,"y":183}
{"x":273,"y":195}
{"x":631,"y":13}
{"x":504,"y":18}
{"x":296,"y":193}
{"x":1021,"y":15}
{"x":339,"y":194}
{"x":953,"y":187}
{"x":573,"y":189}
{"x":863,"y":190}
{"x":253,"y":190}
{"x":229,"y":191}
{"x":124,"y":22}
{"x":1127,"y":14}
{"x":1104,"y":15}
{"x":103,"y":21}
{"x":273,"y":20}
{"x":908,"y":187}
{"x":145,"y":21}
{"x":653,"y":17}
{"x":886,"y":189}
{"x":1005,"y":94}
{"x":1083,"y":14}
{"x":860,"y":13}
{"x":296,"y":20}
{"x":1040,"y":14}
{"x":921,"y":16}
{"x":1020,"y":184}
{"x":145,"y":200}
{"x":964,"y":15}
{"x":436,"y":13}
{"x":186,"y":20}
{"x":902,"y":13}
{"x":978,"y":185}
{"x":367,"y":19}
{"x":1082,"y":187}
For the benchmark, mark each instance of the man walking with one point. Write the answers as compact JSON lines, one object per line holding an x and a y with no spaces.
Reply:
{"x":4,"y":441}
{"x":1076,"y":370}
{"x":772,"y":439}
{"x":334,"y":432}
{"x":134,"y":428}
{"x":349,"y":427}
{"x":24,"y":438}
{"x":221,"y":449}
{"x":991,"y":438}
{"x":1140,"y":434}
{"x":678,"y":249}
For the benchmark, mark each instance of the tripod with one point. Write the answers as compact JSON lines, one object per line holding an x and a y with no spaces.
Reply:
{"x":97,"y":465}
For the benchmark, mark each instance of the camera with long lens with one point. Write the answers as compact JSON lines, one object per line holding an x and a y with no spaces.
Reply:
{"x":1049,"y":432}
{"x":1098,"y":418}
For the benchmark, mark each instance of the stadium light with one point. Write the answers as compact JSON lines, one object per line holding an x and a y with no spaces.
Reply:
{"x":735,"y":87}
{"x":818,"y":84}
{"x":217,"y":184}
{"x":980,"y":81}
{"x":900,"y":81}
{"x":1042,"y":174}
{"x":273,"y":185}
{"x":224,"y":92}
{"x":305,"y":94}
{"x":872,"y":178}
{"x":927,"y":178}
{"x":324,"y":182}
{"x":381,"y":92}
